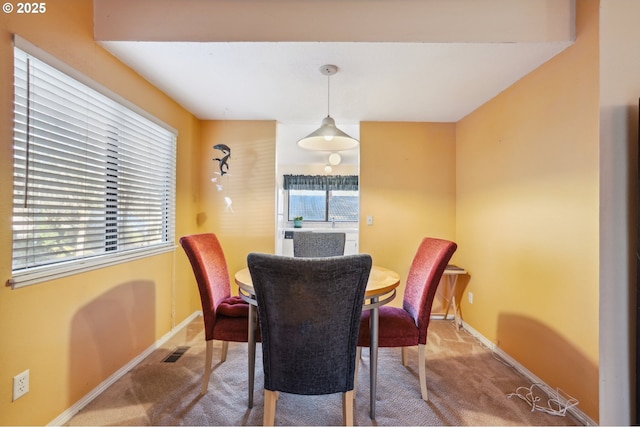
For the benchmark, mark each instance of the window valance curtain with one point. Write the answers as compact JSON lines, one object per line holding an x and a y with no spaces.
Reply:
{"x":321,"y":182}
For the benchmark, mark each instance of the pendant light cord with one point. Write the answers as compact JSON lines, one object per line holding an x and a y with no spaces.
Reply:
{"x":328,"y":94}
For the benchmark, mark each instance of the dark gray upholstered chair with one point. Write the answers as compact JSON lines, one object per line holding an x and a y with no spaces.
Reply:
{"x":309,"y":311}
{"x":307,"y":244}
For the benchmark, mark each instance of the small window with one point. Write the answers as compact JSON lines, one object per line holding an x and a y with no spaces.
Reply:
{"x":343,"y":205}
{"x":309,"y":204}
{"x":322,"y":198}
{"x":94,"y":181}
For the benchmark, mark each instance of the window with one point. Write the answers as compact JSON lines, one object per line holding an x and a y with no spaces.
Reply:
{"x":322,"y":198}
{"x":94,"y":181}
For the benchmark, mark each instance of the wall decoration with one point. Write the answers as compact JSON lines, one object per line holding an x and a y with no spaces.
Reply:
{"x":223,"y":165}
{"x":223,"y":162}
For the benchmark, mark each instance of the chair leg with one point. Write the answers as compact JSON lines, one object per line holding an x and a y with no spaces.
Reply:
{"x":347,"y":407}
{"x":355,"y":375}
{"x":405,"y":356}
{"x":270,"y":399}
{"x":225,"y":348}
{"x":422,"y":370}
{"x":207,"y":367}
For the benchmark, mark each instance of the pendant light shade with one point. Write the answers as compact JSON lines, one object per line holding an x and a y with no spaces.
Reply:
{"x":328,"y":137}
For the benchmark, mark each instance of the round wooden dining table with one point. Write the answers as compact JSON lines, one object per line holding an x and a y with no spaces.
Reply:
{"x":381,"y":289}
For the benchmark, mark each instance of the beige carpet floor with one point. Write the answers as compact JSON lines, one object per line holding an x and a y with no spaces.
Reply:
{"x":467,"y":386}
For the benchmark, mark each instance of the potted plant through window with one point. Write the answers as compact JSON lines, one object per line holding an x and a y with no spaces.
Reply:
{"x":297,"y":222}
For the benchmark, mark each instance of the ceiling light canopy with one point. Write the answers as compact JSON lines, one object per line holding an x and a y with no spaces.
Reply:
{"x":328,"y":137}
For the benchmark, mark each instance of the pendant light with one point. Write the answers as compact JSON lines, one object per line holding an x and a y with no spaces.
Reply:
{"x":328,"y":137}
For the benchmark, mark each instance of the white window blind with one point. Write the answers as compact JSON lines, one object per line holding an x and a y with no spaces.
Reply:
{"x":94,"y":181}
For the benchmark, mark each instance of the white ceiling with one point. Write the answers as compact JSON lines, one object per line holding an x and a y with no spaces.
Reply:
{"x":422,"y":82}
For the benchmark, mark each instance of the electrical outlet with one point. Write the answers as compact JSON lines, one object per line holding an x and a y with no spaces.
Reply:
{"x":370,"y":220}
{"x":20,"y":385}
{"x":470,"y":297}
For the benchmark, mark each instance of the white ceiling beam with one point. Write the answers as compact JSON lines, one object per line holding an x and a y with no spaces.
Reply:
{"x":428,"y":21}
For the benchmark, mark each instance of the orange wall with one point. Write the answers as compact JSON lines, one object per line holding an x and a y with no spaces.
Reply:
{"x":527,"y":217}
{"x":249,"y":224}
{"x":74,"y":332}
{"x":515,"y":184}
{"x":407,"y":183}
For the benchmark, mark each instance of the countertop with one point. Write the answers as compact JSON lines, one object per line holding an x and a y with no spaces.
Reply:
{"x":323,"y":229}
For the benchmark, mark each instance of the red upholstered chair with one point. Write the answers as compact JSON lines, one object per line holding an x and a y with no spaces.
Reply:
{"x":226,"y":317}
{"x":407,"y":326}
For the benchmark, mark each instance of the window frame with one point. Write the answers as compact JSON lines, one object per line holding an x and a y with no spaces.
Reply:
{"x":322,"y":184}
{"x":36,"y":274}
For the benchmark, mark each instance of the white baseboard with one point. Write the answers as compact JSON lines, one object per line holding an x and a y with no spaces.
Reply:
{"x":581,"y":416}
{"x":70,"y":412}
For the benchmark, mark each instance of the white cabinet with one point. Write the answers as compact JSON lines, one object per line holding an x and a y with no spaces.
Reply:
{"x":351,"y":244}
{"x":287,"y":243}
